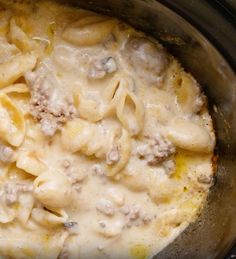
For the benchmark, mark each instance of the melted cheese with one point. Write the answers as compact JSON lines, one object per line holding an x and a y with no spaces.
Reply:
{"x":114,"y":160}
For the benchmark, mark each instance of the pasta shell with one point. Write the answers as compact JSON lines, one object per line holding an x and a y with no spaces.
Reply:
{"x":124,"y":144}
{"x":30,"y":163}
{"x":13,"y":69}
{"x":76,"y":134}
{"x":49,"y":217}
{"x":89,"y":30}
{"x":6,"y":214}
{"x":188,"y":94}
{"x":130,"y":112}
{"x":26,"y":202}
{"x":190,"y":136}
{"x":16,"y":88}
{"x":113,"y":92}
{"x":12,"y":123}
{"x":89,"y":109}
{"x":88,"y":138}
{"x":7,"y":50}
{"x":18,"y":37}
{"x":47,"y":186}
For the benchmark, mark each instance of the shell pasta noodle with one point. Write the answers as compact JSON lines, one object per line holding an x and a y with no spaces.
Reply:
{"x":130,"y":112}
{"x":12,"y":127}
{"x":106,"y":143}
{"x":18,"y":37}
{"x":14,"y":68}
{"x":89,"y":30}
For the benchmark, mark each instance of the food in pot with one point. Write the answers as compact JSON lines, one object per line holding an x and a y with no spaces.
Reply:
{"x":106,"y":142}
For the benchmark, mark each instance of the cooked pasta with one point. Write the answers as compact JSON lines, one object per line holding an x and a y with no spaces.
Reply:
{"x":12,"y":122}
{"x":89,"y":109}
{"x":89,"y":30}
{"x":130,"y":112}
{"x":49,"y":218}
{"x":46,"y":186}
{"x":30,"y":163}
{"x":190,"y":136}
{"x":15,"y":88}
{"x":106,"y":143}
{"x":19,"y":38}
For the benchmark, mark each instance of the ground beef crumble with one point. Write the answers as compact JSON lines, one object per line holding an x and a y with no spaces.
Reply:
{"x":155,"y":149}
{"x":48,"y":104}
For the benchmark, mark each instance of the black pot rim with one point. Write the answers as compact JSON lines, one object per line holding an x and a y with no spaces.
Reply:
{"x":220,"y":31}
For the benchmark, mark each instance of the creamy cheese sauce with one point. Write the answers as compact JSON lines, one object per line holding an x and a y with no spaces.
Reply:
{"x":106,"y":143}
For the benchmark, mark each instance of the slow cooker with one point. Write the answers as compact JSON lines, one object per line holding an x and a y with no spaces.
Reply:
{"x":202,"y":35}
